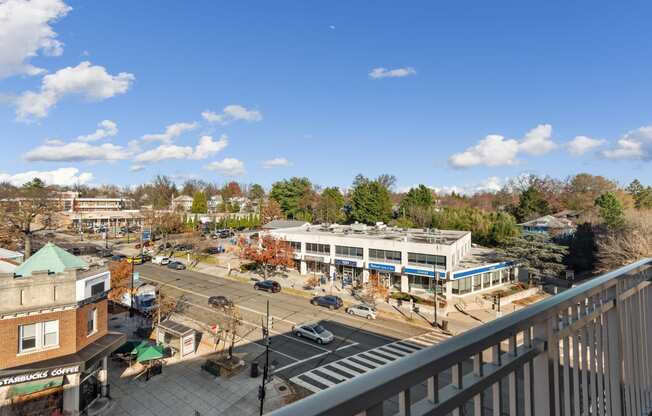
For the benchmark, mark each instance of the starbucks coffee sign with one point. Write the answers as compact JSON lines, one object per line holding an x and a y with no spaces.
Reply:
{"x":39,"y":375}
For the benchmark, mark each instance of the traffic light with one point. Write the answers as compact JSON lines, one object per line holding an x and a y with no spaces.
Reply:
{"x":270,"y":322}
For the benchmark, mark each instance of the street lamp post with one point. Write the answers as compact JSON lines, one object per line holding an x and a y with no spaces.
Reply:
{"x":158,"y":309}
{"x":131,"y":304}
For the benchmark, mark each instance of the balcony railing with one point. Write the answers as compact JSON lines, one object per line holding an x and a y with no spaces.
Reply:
{"x":586,"y":351}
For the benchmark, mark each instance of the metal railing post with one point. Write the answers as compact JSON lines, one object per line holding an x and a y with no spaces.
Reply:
{"x":615,"y":355}
{"x":541,"y":369}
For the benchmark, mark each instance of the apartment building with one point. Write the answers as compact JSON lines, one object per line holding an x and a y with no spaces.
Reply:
{"x":404,"y":259}
{"x":55,"y":342}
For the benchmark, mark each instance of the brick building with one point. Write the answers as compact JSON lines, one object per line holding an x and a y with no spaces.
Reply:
{"x":53,"y":330}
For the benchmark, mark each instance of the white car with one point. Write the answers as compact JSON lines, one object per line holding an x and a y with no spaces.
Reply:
{"x":362,"y":310}
{"x":161,"y":260}
{"x":314,"y":332}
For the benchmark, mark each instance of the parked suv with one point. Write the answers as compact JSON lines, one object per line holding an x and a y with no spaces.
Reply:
{"x":362,"y":310}
{"x":314,"y":332}
{"x":176,"y":265}
{"x":268,"y":285}
{"x":331,"y":302}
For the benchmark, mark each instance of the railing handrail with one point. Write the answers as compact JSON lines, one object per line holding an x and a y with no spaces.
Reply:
{"x":354,"y":395}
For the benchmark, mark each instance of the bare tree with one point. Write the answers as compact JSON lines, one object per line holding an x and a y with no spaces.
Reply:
{"x":618,"y":247}
{"x":28,"y":209}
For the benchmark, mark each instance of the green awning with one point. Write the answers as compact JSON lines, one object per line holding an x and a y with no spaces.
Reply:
{"x":151,"y":352}
{"x":128,"y":347}
{"x":34,"y":386}
{"x":141,"y":345}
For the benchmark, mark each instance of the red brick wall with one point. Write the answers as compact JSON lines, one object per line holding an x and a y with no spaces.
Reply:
{"x":72,"y":334}
{"x":82,"y":338}
{"x":9,"y":338}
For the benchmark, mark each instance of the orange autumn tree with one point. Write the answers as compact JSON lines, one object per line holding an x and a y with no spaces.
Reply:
{"x":120,"y":279}
{"x":268,"y":252}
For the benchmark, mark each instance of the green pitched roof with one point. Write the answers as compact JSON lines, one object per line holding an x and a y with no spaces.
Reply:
{"x":50,"y":258}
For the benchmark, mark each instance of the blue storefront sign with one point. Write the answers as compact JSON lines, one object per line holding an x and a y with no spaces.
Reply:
{"x":465,"y":273}
{"x":351,"y":263}
{"x":146,"y":235}
{"x":421,"y":272}
{"x":383,"y":267}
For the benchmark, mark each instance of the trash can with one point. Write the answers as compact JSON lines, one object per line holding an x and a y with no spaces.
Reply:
{"x":254,"y":370}
{"x":444,"y":325}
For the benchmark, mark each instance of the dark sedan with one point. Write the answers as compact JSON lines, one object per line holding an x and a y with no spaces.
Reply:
{"x":176,"y":265}
{"x":220,"y":302}
{"x":268,"y":285}
{"x":330,"y":302}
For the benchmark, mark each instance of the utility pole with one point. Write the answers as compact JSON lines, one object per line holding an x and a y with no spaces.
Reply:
{"x":131,"y":304}
{"x":261,"y":391}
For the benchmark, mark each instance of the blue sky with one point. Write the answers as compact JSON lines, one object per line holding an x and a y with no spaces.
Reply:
{"x":437,"y":93}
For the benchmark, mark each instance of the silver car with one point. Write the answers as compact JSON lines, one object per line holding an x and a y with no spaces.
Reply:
{"x":314,"y":332}
{"x":362,"y":310}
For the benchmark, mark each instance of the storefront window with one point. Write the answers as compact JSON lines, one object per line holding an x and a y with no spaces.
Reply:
{"x":349,"y":251}
{"x":418,"y":282}
{"x":418,"y":259}
{"x":464,"y":285}
{"x":486,"y":282}
{"x":385,"y":255}
{"x":318,"y":248}
{"x":477,"y":282}
{"x":495,"y":278}
{"x":296,"y":246}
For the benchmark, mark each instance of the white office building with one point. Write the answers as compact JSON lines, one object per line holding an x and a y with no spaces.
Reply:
{"x":404,"y":259}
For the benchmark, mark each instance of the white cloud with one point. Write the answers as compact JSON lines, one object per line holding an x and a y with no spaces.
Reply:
{"x":205,"y":147}
{"x":77,"y":152}
{"x":90,"y":81}
{"x":105,"y":128}
{"x":231,"y":113}
{"x":136,"y":168}
{"x":496,"y":150}
{"x":171,"y":132}
{"x":62,"y":176}
{"x":538,"y":141}
{"x":53,"y":142}
{"x":26,"y":31}
{"x":493,"y":150}
{"x":634,"y":145}
{"x":276,"y":162}
{"x":583,"y":144}
{"x":378,"y":73}
{"x":228,"y":167}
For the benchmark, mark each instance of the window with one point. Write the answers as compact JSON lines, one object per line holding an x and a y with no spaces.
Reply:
{"x":296,"y":245}
{"x":349,"y":251}
{"x":486,"y":282}
{"x":477,"y":282}
{"x":495,"y":278}
{"x":385,"y":255}
{"x":39,"y":335}
{"x":91,"y":321}
{"x":28,"y":337}
{"x":419,"y":282}
{"x":318,"y":248}
{"x":50,"y":333}
{"x":97,"y":288}
{"x":426,"y":260}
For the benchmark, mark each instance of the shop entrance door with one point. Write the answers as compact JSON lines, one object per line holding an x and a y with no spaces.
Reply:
{"x":89,"y":390}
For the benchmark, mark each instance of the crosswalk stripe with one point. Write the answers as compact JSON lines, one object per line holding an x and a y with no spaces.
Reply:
{"x":350,"y":367}
{"x":375,"y":354}
{"x":367,"y":361}
{"x":321,"y":380}
{"x":394,"y":350}
{"x":340,"y":366}
{"x":335,"y":375}
{"x":305,"y":385}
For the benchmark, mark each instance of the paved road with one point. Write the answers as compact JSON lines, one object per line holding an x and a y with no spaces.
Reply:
{"x":291,"y":356}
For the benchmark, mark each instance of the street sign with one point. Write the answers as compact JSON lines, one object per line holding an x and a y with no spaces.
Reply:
{"x":136,"y":276}
{"x":147,"y":234}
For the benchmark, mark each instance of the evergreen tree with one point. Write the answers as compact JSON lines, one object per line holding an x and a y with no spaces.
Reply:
{"x":536,"y":254}
{"x":582,"y":249}
{"x":329,"y":207}
{"x":611,"y":210}
{"x":370,"y":201}
{"x":289,"y":194}
{"x":532,"y":203}
{"x":199,"y":203}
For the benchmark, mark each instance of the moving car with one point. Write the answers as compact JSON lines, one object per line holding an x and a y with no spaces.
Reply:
{"x":268,"y":285}
{"x":176,"y":265}
{"x":212,"y":250}
{"x":135,"y":260}
{"x":161,"y":260}
{"x":220,"y":302}
{"x":119,"y":257}
{"x":314,"y":332}
{"x":331,"y":302}
{"x":362,"y":310}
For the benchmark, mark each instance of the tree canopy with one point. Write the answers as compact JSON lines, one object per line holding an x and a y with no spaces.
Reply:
{"x":329,"y":206}
{"x":611,"y":210}
{"x":291,"y":194}
{"x":199,"y":203}
{"x":370,"y":201}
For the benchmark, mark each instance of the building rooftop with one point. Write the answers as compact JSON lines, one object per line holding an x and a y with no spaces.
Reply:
{"x":175,"y":327}
{"x":382,"y":232}
{"x":548,"y":221}
{"x":52,"y":259}
{"x":278,"y":224}
{"x":9,"y":254}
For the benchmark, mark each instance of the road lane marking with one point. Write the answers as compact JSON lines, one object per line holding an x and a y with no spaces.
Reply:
{"x":244,"y":308}
{"x":315,"y":356}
